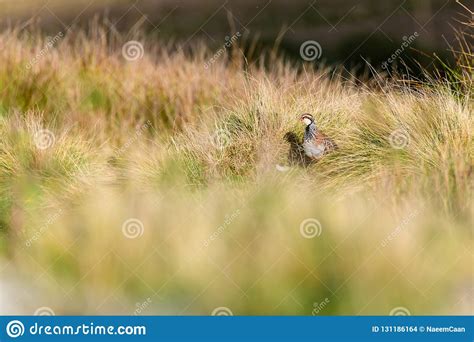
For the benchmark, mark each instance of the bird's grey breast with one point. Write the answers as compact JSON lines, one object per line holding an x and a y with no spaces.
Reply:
{"x":313,"y":150}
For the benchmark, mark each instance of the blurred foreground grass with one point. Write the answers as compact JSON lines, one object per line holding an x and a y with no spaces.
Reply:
{"x":161,"y":186}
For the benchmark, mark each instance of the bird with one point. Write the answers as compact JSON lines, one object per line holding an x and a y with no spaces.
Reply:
{"x":315,"y":143}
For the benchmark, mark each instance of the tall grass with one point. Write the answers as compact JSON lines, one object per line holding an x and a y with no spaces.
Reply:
{"x":196,"y":155}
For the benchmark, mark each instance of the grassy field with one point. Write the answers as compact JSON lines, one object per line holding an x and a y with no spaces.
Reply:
{"x":162,"y":185}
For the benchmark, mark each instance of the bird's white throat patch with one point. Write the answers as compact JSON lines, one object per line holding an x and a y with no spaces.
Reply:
{"x":307,"y":121}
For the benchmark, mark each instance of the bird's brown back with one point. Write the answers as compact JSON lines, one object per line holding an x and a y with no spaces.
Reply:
{"x":322,"y":138}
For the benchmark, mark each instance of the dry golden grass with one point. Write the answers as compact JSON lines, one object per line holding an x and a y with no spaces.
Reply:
{"x":191,"y":152}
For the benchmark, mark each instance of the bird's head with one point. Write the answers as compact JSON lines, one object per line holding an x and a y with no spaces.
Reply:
{"x":307,"y":119}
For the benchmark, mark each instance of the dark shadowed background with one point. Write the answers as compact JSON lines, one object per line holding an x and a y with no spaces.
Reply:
{"x":348,"y":31}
